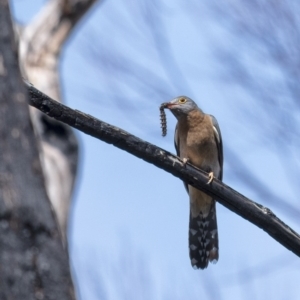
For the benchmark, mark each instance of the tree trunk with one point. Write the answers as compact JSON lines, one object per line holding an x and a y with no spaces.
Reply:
{"x":33,"y":262}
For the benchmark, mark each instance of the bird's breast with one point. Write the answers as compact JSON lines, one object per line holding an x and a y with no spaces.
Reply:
{"x":201,"y":150}
{"x":196,"y":141}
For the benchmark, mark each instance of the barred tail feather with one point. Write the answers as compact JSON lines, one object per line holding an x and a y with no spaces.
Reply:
{"x":203,"y":239}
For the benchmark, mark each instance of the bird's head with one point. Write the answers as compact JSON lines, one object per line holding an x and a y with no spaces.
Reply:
{"x":181,"y":106}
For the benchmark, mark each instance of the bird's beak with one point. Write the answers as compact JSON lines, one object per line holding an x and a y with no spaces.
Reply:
{"x":168,"y":105}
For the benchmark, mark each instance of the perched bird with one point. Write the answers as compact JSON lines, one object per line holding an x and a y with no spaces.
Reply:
{"x":198,"y":140}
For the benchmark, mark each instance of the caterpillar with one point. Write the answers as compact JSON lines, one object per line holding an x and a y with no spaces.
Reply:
{"x":163,"y":119}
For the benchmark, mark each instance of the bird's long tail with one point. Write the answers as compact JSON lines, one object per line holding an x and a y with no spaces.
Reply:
{"x":203,"y":239}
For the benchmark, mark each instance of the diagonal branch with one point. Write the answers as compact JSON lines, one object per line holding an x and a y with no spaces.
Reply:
{"x":257,"y":214}
{"x":41,"y":42}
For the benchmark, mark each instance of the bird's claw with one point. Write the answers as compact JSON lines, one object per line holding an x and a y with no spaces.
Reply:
{"x":211,"y":177}
{"x":185,"y":160}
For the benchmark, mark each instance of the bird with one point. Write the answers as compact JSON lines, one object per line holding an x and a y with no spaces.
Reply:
{"x":198,"y":141}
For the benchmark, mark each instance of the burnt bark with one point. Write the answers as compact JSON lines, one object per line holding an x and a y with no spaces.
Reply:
{"x":257,"y":214}
{"x":33,"y":262}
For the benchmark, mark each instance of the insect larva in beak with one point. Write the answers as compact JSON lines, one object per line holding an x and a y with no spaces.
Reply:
{"x":163,"y":119}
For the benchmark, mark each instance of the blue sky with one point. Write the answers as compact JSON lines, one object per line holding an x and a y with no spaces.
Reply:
{"x":129,"y":219}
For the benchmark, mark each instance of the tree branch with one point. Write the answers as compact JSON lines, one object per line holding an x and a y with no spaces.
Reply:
{"x":255,"y":213}
{"x":42,"y":39}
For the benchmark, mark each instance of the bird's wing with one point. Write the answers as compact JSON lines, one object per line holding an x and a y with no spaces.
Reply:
{"x":177,"y":147}
{"x":177,"y":141}
{"x":218,"y":138}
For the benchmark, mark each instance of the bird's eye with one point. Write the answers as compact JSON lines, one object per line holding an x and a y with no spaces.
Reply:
{"x":182,"y":100}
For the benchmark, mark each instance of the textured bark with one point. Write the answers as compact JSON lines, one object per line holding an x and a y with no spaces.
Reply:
{"x":250,"y":210}
{"x":40,"y":44}
{"x":33,"y":262}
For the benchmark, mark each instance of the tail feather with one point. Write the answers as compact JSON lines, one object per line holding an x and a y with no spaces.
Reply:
{"x":203,"y":239}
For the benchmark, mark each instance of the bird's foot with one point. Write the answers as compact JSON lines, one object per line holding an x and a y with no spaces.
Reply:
{"x":211,"y":177}
{"x":185,"y":160}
